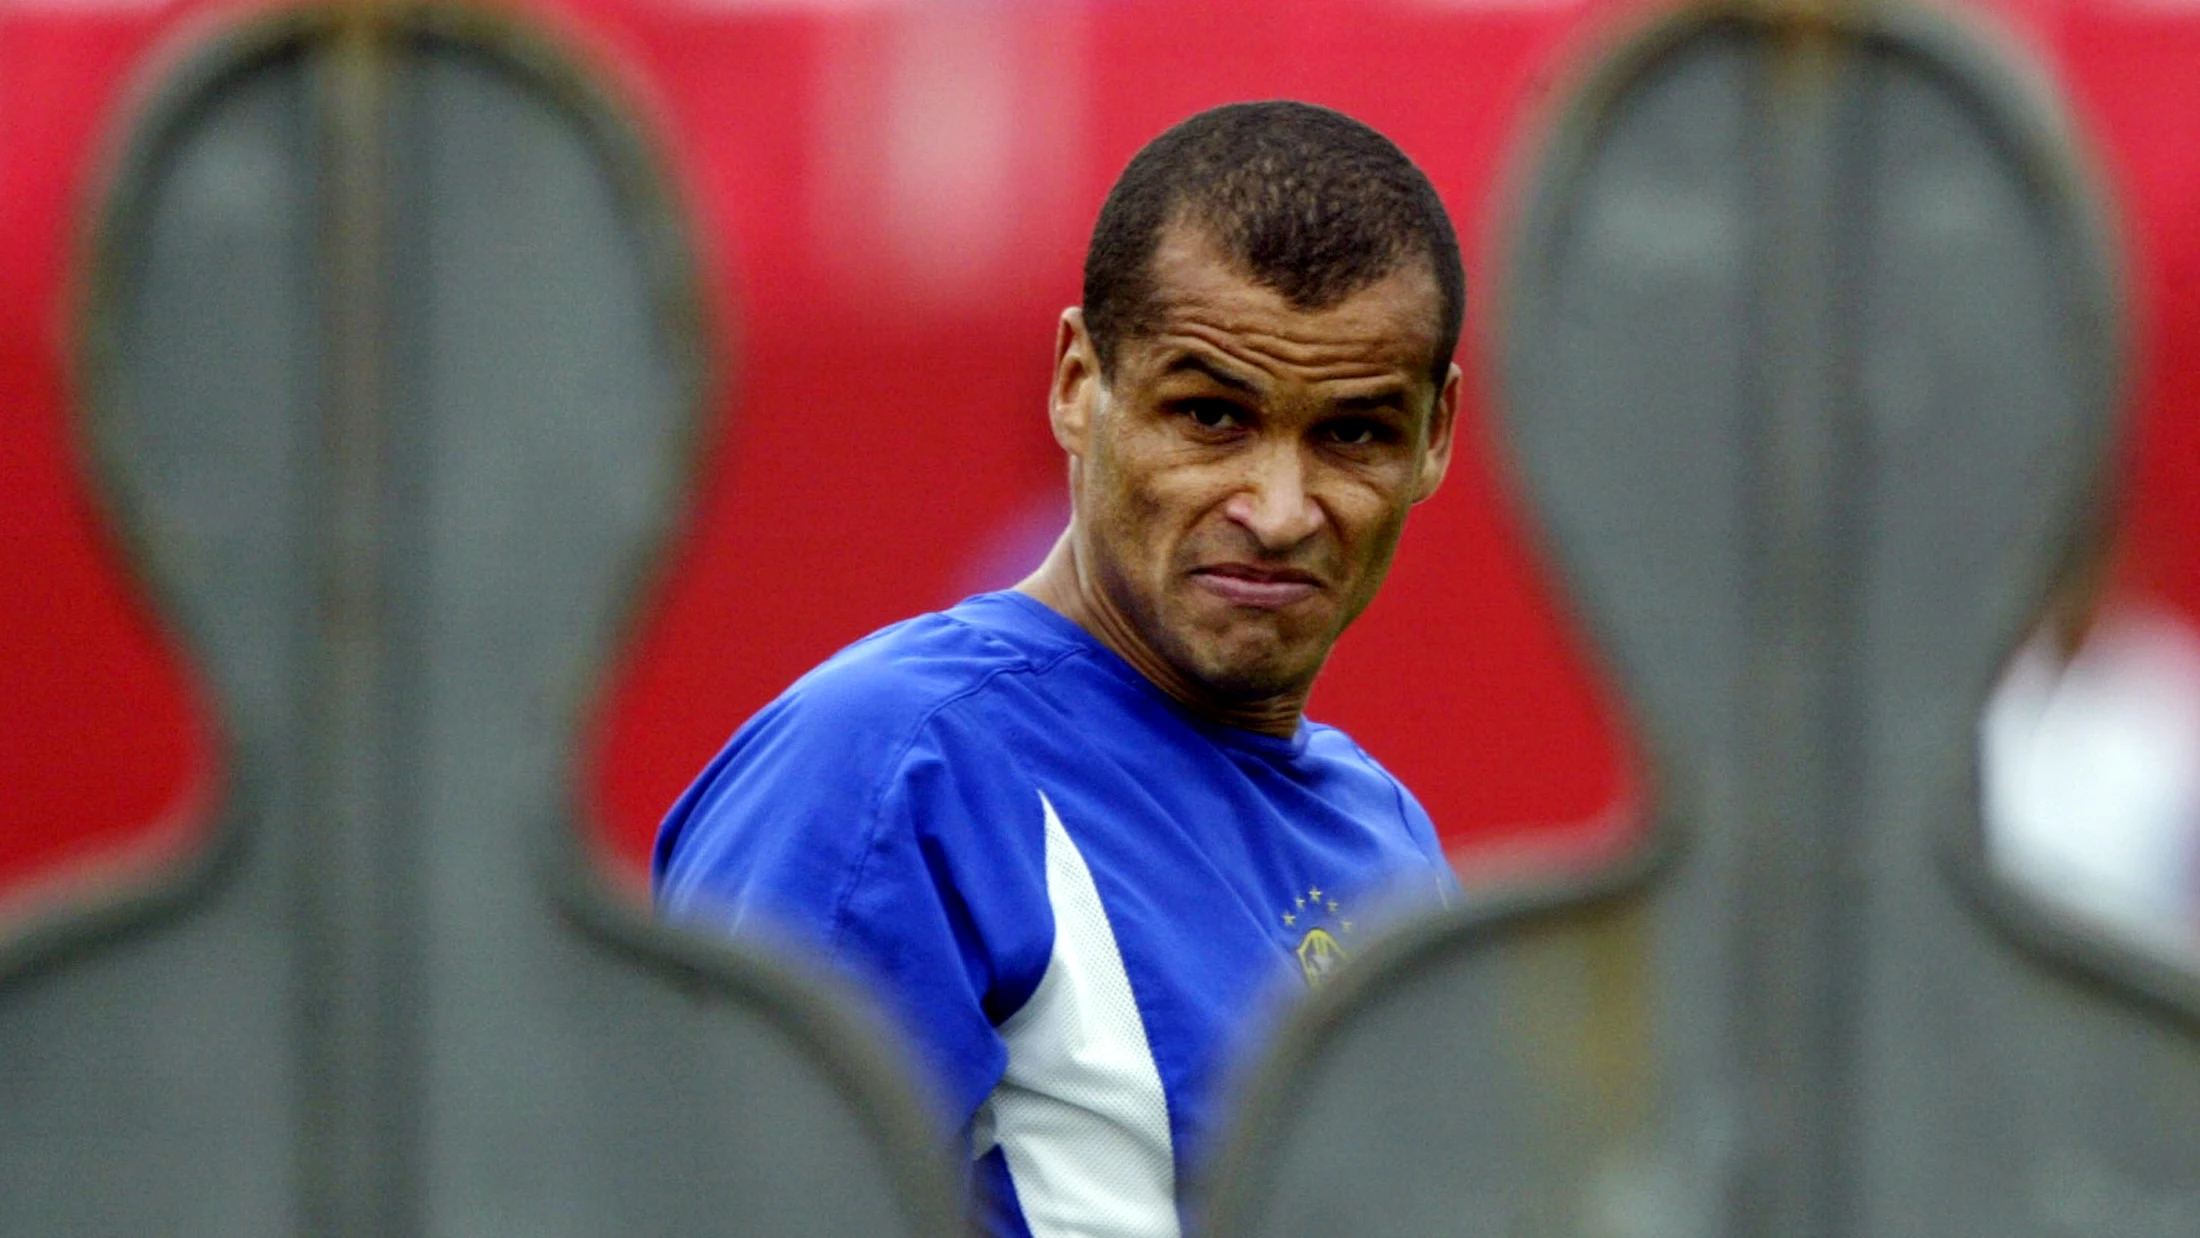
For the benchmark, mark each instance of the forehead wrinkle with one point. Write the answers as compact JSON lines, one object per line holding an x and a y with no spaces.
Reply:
{"x":1201,"y":289}
{"x":1276,"y":355}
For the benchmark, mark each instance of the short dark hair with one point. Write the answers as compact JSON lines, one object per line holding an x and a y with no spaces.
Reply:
{"x":1310,"y":202}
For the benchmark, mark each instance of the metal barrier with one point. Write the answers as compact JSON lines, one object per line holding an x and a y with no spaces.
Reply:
{"x":1809,"y":351}
{"x":394,"y":362}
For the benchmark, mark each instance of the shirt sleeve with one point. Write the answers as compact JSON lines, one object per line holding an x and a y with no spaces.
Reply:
{"x":898,"y":853}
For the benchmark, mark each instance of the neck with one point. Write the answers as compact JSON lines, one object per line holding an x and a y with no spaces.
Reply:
{"x":1066,"y":586}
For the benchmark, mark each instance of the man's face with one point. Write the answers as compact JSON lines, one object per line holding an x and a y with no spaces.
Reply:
{"x":1242,"y":479}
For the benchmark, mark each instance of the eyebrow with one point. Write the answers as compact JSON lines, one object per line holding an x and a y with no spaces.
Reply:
{"x":1390,"y":400}
{"x":1196,"y":364}
{"x":1393,"y":399}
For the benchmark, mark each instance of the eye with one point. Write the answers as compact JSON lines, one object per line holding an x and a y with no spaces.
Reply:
{"x":1355,"y":432}
{"x":1213,"y":414}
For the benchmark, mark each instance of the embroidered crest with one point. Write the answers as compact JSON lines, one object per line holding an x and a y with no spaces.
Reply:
{"x":1321,"y":948}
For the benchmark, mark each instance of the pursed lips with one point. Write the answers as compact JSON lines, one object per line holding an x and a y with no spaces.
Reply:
{"x":1257,"y":585}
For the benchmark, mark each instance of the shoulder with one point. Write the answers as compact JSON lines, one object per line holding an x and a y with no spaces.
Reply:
{"x":1343,"y":757}
{"x":900,"y":678}
{"x":1362,"y":780}
{"x":844,"y":736}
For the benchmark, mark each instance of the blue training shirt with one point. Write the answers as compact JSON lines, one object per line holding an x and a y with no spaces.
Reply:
{"x":1069,"y":890}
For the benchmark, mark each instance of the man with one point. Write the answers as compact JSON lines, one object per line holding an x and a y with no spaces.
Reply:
{"x":1072,"y":833}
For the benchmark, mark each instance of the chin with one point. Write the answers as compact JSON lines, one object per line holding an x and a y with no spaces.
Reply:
{"x":1256,"y":679}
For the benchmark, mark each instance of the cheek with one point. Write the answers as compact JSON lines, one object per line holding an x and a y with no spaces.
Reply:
{"x":1126,"y":510}
{"x":1365,"y":506}
{"x":1369,"y":526}
{"x":1156,"y":494}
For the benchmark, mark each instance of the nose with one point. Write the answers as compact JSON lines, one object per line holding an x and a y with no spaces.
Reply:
{"x":1273,"y":503}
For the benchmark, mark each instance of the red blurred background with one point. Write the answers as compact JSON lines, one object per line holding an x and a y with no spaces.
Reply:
{"x":890,"y":202}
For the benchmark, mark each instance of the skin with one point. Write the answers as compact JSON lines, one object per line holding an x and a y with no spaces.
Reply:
{"x":1239,"y":483}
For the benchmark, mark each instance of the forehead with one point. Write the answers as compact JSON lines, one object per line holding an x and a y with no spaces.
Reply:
{"x":1204,"y":300}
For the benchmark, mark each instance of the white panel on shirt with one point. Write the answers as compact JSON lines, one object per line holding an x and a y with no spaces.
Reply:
{"x":1079,"y":1112}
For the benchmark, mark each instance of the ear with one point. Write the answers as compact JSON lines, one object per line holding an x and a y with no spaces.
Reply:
{"x":1076,"y":383}
{"x":1443,"y":425}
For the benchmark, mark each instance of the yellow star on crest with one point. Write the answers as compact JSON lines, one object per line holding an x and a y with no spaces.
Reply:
{"x":1289,"y":919}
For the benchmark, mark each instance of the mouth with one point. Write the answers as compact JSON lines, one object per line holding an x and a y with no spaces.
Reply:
{"x":1255,"y":585}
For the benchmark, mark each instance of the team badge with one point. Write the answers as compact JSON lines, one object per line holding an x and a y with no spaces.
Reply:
{"x":1322,"y":929}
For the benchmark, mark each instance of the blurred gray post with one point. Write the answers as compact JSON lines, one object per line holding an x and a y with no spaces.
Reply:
{"x":395,"y":358}
{"x":1809,"y":352}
